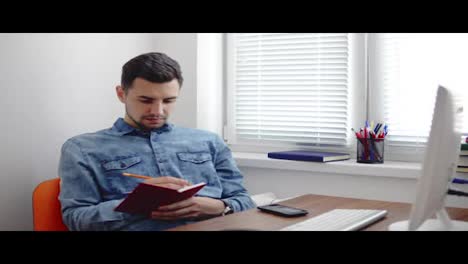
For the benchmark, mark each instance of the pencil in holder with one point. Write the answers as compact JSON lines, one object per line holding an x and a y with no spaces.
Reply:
{"x":370,"y":150}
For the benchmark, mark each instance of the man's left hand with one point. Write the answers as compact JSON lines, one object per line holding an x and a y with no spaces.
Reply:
{"x":194,"y":207}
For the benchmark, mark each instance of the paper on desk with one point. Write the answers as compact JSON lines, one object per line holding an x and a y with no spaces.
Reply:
{"x":269,"y":198}
{"x":264,"y":198}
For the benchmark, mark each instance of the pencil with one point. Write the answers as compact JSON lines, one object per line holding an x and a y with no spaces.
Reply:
{"x":136,"y":175}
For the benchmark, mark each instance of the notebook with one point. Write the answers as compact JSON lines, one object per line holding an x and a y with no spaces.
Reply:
{"x":306,"y":155}
{"x":146,"y":197}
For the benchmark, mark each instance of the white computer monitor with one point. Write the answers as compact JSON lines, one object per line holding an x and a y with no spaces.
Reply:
{"x":440,"y":161}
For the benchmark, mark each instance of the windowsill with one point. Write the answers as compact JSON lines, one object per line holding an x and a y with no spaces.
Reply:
{"x":397,"y":169}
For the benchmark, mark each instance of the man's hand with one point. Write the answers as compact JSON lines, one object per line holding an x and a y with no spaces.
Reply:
{"x":168,"y":182}
{"x":194,"y":207}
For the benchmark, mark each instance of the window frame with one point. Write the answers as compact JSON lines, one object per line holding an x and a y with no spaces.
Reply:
{"x":355,"y":58}
{"x":375,"y":99}
{"x":363,"y":102}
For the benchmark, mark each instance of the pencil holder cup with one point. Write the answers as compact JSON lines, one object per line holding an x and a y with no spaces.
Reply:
{"x":370,"y":150}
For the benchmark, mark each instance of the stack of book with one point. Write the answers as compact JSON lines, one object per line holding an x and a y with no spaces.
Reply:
{"x":462,"y":165}
{"x":307,"y":155}
{"x":460,"y":179}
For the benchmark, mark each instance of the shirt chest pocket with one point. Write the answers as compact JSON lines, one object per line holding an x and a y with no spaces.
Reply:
{"x":117,"y":183}
{"x":121,"y":164}
{"x":197,"y":157}
{"x":197,"y":167}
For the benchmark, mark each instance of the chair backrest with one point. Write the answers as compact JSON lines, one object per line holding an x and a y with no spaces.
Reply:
{"x":47,"y":214}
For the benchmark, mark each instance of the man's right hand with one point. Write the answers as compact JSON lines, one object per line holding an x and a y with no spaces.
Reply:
{"x":168,"y":182}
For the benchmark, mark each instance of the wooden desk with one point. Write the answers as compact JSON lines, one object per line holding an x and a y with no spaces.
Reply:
{"x":254,"y":219}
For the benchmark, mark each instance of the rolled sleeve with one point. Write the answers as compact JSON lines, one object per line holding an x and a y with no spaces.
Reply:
{"x":234,"y":193}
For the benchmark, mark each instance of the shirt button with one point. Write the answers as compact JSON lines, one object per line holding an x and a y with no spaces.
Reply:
{"x":122,"y":165}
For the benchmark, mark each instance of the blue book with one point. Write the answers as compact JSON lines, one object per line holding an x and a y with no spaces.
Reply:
{"x":306,"y":155}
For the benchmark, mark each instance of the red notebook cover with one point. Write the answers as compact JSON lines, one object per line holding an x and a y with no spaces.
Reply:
{"x":145,"y":198}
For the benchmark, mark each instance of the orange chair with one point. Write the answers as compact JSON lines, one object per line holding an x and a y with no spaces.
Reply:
{"x":47,"y":215}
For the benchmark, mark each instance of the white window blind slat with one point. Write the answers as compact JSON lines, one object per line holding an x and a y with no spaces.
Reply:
{"x":302,"y":87}
{"x":285,"y":82}
{"x":290,"y":87}
{"x":294,"y":93}
{"x":326,"y":117}
{"x":297,"y":60}
{"x":310,"y":73}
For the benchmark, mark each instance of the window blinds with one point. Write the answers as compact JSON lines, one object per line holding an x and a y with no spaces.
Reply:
{"x":411,"y":66}
{"x":291,"y":87}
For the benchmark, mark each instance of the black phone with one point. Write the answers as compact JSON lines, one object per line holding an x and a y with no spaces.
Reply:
{"x":282,"y":210}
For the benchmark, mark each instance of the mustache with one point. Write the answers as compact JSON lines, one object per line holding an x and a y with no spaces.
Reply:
{"x":154,"y":117}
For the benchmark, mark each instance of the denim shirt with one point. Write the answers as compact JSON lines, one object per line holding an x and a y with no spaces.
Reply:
{"x":91,"y":167}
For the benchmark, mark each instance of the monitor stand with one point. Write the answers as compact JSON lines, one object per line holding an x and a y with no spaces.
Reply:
{"x":442,"y":223}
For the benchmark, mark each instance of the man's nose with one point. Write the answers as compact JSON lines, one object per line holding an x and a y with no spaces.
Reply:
{"x":157,"y":108}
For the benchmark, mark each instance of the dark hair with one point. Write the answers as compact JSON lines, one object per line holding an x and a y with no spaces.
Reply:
{"x":153,"y":67}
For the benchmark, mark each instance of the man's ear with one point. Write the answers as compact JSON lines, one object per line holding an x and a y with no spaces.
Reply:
{"x":120,"y":93}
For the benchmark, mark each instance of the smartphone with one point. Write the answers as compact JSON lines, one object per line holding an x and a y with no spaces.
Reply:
{"x":282,"y":210}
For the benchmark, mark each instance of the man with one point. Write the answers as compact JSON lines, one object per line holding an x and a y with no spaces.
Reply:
{"x":91,"y":165}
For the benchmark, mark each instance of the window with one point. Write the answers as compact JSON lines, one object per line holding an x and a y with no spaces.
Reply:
{"x":288,"y":88}
{"x":405,"y":70}
{"x":310,"y":89}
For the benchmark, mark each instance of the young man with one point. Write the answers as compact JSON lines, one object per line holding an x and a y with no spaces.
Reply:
{"x":91,"y":165}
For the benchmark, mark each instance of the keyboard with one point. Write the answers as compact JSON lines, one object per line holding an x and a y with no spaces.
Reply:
{"x":339,"y":220}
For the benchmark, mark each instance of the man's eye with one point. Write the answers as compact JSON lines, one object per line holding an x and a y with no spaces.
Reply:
{"x":146,"y":101}
{"x":169,"y":101}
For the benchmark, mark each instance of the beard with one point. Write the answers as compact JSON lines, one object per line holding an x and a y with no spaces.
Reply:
{"x":148,"y":122}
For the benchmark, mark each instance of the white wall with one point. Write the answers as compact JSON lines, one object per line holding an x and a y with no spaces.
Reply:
{"x":55,"y":86}
{"x":289,"y":183}
{"x":210,"y":82}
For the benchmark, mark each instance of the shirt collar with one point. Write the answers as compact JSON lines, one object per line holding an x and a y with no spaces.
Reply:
{"x":121,"y":128}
